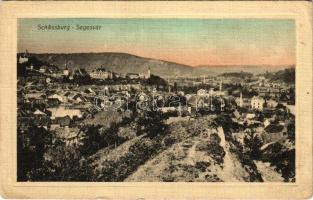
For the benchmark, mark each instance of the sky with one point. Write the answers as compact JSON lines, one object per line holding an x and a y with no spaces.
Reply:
{"x":187,"y":41}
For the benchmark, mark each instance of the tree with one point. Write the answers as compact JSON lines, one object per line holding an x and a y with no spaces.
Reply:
{"x":92,"y":141}
{"x":155,"y":80}
{"x":291,"y":132}
{"x":66,"y":163}
{"x":252,"y":145}
{"x":32,"y":144}
{"x":282,"y":158}
{"x":152,"y":123}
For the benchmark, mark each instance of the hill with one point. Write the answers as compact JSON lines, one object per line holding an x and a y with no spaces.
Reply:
{"x":286,"y":75}
{"x":237,"y":74}
{"x":117,"y":62}
{"x":254,"y":69}
{"x":128,"y":63}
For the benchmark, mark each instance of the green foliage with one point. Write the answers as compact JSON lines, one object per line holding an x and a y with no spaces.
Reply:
{"x":31,"y":146}
{"x":212,"y":178}
{"x":213,"y":148}
{"x":252,"y":145}
{"x":202,"y":165}
{"x":274,"y":128}
{"x":152,"y":124}
{"x":66,"y":163}
{"x":97,"y":137}
{"x":139,"y":152}
{"x":286,"y":75}
{"x":155,"y":80}
{"x":92,"y":140}
{"x":227,"y":123}
{"x":238,"y":74}
{"x":291,"y":132}
{"x":282,"y":158}
{"x":126,"y":133}
{"x":215,"y":139}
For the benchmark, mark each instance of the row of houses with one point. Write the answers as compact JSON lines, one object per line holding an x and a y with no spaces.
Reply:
{"x":102,"y":73}
{"x":256,"y":102}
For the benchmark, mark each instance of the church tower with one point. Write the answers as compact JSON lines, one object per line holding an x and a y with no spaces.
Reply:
{"x":240,"y":100}
{"x":24,"y":57}
{"x":148,"y":73}
{"x":221,"y":85}
{"x":66,"y":71}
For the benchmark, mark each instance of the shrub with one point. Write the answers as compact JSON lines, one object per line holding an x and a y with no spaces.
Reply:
{"x":202,"y":165}
{"x":212,"y":178}
{"x":274,"y":128}
{"x":126,"y":133}
{"x":217,"y":153}
{"x":215,"y":139}
{"x":168,"y":140}
{"x":252,"y":146}
{"x":283,"y":159}
{"x":212,"y":149}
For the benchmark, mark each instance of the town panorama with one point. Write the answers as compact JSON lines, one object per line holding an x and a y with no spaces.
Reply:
{"x":76,"y":123}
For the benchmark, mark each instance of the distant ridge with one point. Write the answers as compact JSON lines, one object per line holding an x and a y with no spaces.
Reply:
{"x":128,"y":63}
{"x":255,"y":69}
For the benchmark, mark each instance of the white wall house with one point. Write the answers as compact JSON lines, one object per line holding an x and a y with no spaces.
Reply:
{"x":257,"y":103}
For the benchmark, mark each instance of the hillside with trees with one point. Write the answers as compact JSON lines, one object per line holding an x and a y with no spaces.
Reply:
{"x":286,"y":75}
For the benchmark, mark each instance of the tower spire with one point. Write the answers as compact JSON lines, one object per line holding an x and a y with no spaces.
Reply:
{"x":221,"y":85}
{"x":148,"y":73}
{"x":240,"y":100}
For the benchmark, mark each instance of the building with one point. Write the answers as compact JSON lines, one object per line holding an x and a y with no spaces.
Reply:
{"x":221,"y":85}
{"x":22,"y":59}
{"x":167,"y":109}
{"x":66,"y":72}
{"x":201,"y":92}
{"x":220,"y":92}
{"x":142,"y":97}
{"x":239,"y":101}
{"x":43,"y":69}
{"x":133,"y":76}
{"x":31,"y":67}
{"x":271,"y":103}
{"x":257,"y":103}
{"x":250,"y":116}
{"x":148,"y":74}
{"x":39,"y":112}
{"x":261,"y":80}
{"x":34,"y":95}
{"x":63,"y":121}
{"x":48,"y":80}
{"x":63,"y":112}
{"x":145,"y":75}
{"x":198,"y":102}
{"x":266,"y":123}
{"x":57,"y":96}
{"x":101,"y":73}
{"x":242,"y":102}
{"x":237,"y":114}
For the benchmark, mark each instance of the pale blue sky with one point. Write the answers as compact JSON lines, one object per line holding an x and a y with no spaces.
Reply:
{"x":187,"y":41}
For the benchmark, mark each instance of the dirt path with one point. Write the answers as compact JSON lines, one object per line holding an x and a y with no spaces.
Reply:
{"x":231,"y":170}
{"x":268,"y":173}
{"x":191,"y":155}
{"x":179,"y":163}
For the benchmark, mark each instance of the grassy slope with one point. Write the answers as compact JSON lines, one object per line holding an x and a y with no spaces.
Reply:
{"x":181,"y":163}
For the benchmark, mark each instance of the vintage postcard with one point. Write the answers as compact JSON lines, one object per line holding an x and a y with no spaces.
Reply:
{"x":156,"y":100}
